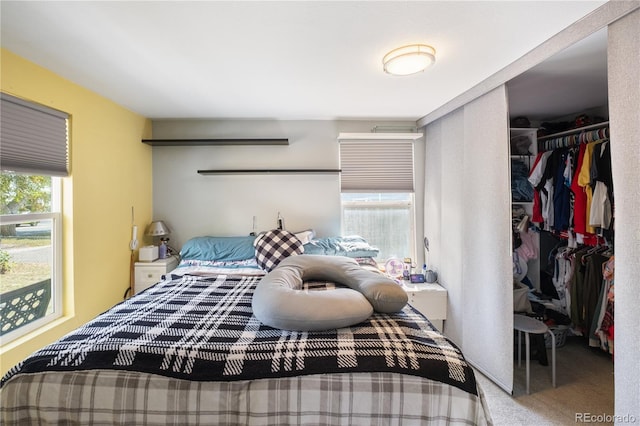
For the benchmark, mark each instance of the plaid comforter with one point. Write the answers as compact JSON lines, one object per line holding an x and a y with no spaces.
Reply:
{"x":189,"y":351}
{"x":203,"y":329}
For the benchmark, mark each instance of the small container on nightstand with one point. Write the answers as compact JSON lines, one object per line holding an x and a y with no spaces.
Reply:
{"x":149,"y":273}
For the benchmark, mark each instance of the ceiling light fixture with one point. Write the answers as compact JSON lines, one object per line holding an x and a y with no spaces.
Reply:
{"x":409,"y":59}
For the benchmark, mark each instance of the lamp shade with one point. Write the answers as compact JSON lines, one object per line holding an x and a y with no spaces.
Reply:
{"x":158,"y":229}
{"x":409,"y":59}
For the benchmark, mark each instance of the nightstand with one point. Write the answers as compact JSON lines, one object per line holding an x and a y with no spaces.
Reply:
{"x":430,"y":299}
{"x":149,"y":273}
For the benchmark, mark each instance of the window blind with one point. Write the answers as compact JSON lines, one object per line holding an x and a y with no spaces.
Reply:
{"x":33,"y":138}
{"x":376,"y":165}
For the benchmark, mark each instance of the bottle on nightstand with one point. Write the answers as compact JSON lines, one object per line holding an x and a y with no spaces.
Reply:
{"x":406,"y":271}
{"x":162,"y":249}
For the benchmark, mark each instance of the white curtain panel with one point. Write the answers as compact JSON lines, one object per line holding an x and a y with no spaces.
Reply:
{"x":624,"y":103}
{"x":487,"y":272}
{"x":467,"y":221}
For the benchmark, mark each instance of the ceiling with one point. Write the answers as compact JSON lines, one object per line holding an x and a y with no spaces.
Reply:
{"x":279,"y":60}
{"x":569,"y":82}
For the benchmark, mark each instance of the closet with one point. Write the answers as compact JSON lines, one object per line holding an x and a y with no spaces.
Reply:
{"x":560,"y":157}
{"x":563,"y":228}
{"x":468,"y":191}
{"x":558,"y":260}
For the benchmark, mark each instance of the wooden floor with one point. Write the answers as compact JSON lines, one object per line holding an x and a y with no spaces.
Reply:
{"x":584,"y":380}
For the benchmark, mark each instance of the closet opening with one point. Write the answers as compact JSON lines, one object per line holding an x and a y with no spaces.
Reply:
{"x":563,"y":220}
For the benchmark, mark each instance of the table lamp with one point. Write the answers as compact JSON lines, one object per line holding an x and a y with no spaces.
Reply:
{"x":159,"y":229}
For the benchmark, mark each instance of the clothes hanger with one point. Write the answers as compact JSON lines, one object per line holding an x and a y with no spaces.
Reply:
{"x":608,"y":251}
{"x":599,"y":247}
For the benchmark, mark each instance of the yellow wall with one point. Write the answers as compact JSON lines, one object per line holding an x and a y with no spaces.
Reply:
{"x":110,"y":174}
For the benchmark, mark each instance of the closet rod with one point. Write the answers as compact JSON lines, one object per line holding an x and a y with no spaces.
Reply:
{"x":572,"y":131}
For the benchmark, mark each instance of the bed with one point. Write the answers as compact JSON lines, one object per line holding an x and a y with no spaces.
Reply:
{"x":189,"y":350}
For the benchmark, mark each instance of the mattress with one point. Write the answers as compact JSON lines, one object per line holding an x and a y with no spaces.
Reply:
{"x":189,"y":351}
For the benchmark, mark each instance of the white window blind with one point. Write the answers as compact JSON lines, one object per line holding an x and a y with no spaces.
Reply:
{"x":376,"y":165}
{"x":33,"y":138}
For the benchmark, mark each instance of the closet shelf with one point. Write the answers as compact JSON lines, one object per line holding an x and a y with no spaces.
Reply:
{"x":268,"y":171}
{"x":214,"y":142}
{"x":572,"y":131}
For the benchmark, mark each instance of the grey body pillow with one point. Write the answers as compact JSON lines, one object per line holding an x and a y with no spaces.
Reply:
{"x":279,"y":301}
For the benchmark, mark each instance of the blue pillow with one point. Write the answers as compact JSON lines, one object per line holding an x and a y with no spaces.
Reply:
{"x":218,"y":248}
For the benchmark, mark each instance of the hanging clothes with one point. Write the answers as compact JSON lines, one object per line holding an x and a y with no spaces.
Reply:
{"x":566,"y":181}
{"x":593,"y":279}
{"x":606,"y":325}
{"x":561,"y":192}
{"x":601,"y":205}
{"x":576,"y":311}
{"x":598,"y":338}
{"x":563,"y":271}
{"x":536,"y":214}
{"x":576,"y":200}
{"x":579,"y":199}
{"x":535,"y":178}
{"x":584,"y":180}
{"x":542,"y":180}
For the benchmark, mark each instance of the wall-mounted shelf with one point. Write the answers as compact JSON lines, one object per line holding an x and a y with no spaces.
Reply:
{"x":214,"y":142}
{"x":268,"y":171}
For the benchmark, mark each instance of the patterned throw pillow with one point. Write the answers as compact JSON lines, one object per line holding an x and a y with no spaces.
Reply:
{"x":274,"y":246}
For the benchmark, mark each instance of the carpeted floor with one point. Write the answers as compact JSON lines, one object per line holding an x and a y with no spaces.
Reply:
{"x":585,"y":387}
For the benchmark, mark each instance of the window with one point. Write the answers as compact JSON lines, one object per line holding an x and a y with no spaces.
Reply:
{"x":377,"y":191}
{"x":33,"y":154}
{"x":385,"y":219}
{"x":30,"y":264}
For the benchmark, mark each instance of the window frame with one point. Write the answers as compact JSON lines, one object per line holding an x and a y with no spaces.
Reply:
{"x":55,"y":215}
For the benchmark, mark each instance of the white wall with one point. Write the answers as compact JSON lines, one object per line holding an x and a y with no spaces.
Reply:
{"x":224,"y":205}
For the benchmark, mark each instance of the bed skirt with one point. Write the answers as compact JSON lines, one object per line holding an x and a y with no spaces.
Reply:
{"x":125,"y":397}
